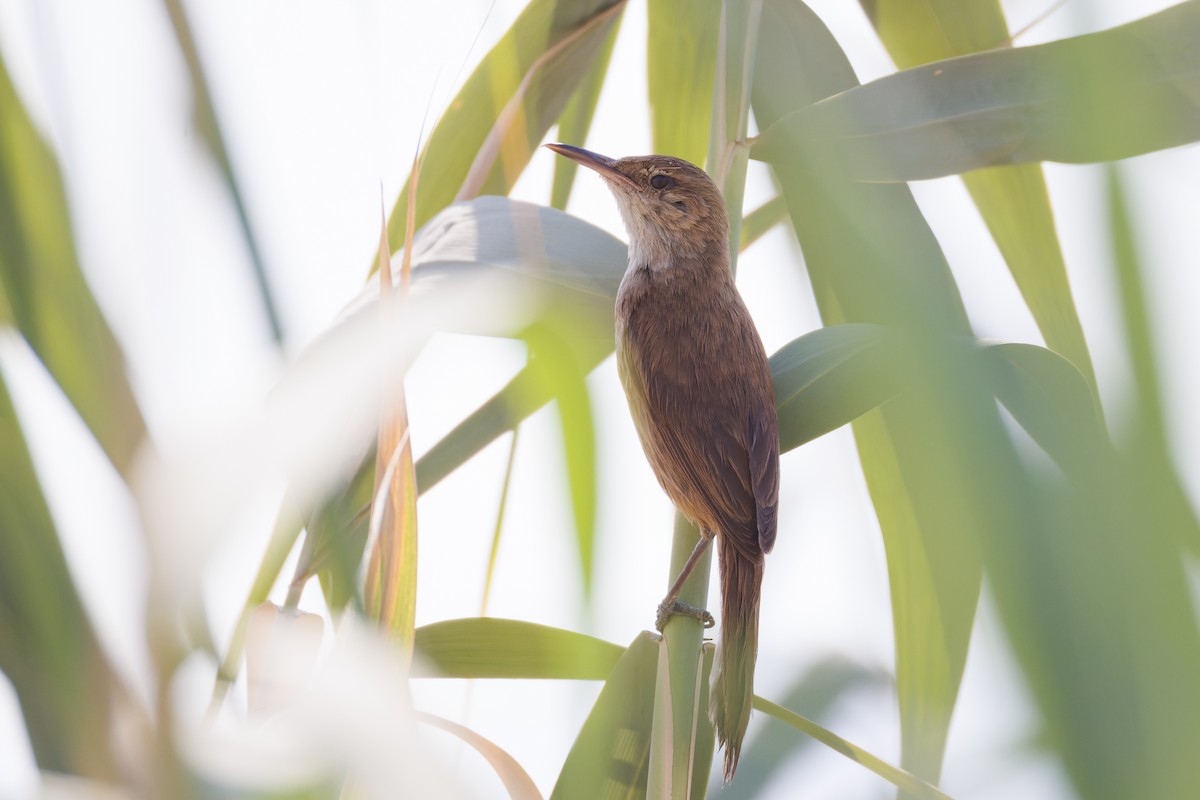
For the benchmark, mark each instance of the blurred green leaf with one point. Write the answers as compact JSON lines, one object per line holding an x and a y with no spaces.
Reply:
{"x":681,"y":57}
{"x":63,"y":680}
{"x":1156,"y":472}
{"x":513,"y":97}
{"x":43,"y":292}
{"x":488,"y":647}
{"x":1108,"y":95}
{"x":1012,"y":200}
{"x":872,"y":258}
{"x":610,"y":756}
{"x":816,"y":691}
{"x":209,"y":124}
{"x":559,"y":373}
{"x":1098,"y":607}
{"x":576,"y":120}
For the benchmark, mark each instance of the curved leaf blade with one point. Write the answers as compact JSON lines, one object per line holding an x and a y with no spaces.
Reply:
{"x":611,"y":754}
{"x":815,"y":693}
{"x":894,"y":775}
{"x":832,"y":376}
{"x":1118,"y":93}
{"x":1049,"y":397}
{"x":516,"y":780}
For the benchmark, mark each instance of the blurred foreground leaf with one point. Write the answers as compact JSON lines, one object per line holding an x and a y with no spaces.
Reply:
{"x":1155,"y":469}
{"x":42,"y":290}
{"x":63,"y":680}
{"x":1012,"y":200}
{"x":872,"y":258}
{"x":390,"y":580}
{"x":209,"y":123}
{"x":1114,"y":94}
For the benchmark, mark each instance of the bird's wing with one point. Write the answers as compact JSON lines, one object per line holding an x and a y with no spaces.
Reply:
{"x":764,"y":472}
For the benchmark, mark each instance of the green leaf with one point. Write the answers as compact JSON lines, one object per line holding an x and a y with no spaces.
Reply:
{"x":1156,"y":471}
{"x":48,"y":650}
{"x":1012,"y":200}
{"x":1050,"y":399}
{"x":898,"y":777}
{"x":681,"y":56}
{"x":576,"y":120}
{"x":872,"y":258}
{"x":611,"y":753}
{"x":815,"y":693}
{"x":487,"y":647}
{"x":832,"y":376}
{"x":485,"y":138}
{"x":43,"y":292}
{"x":1100,"y":97}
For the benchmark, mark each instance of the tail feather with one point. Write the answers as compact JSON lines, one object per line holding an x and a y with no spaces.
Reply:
{"x":737,"y":648}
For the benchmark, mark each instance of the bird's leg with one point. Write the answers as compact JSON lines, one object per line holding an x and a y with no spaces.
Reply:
{"x":671,"y":604}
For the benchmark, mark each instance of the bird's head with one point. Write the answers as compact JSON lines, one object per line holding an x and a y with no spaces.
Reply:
{"x":671,"y":208}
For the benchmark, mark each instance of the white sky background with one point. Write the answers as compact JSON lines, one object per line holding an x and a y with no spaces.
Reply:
{"x":321,"y":102}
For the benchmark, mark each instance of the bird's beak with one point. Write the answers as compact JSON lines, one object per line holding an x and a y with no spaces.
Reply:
{"x":607,"y":167}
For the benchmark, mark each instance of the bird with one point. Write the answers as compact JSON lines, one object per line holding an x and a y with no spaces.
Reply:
{"x":699,"y":387}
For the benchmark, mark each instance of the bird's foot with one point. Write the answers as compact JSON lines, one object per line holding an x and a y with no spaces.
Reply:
{"x":668,"y":609}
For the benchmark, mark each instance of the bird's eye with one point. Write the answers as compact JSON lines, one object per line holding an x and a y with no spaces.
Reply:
{"x":661,"y":182}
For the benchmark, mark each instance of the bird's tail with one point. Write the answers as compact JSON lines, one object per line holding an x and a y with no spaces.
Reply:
{"x":737,"y":648}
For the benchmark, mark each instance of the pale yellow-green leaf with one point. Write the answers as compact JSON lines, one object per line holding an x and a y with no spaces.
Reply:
{"x":516,"y":780}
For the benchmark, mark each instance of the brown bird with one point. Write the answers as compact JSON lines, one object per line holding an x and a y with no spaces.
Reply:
{"x":699,"y":387}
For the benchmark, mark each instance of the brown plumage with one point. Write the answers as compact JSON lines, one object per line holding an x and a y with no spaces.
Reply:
{"x":699,"y":388}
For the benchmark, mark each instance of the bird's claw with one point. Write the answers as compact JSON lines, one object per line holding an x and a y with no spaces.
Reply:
{"x":666,"y":610}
